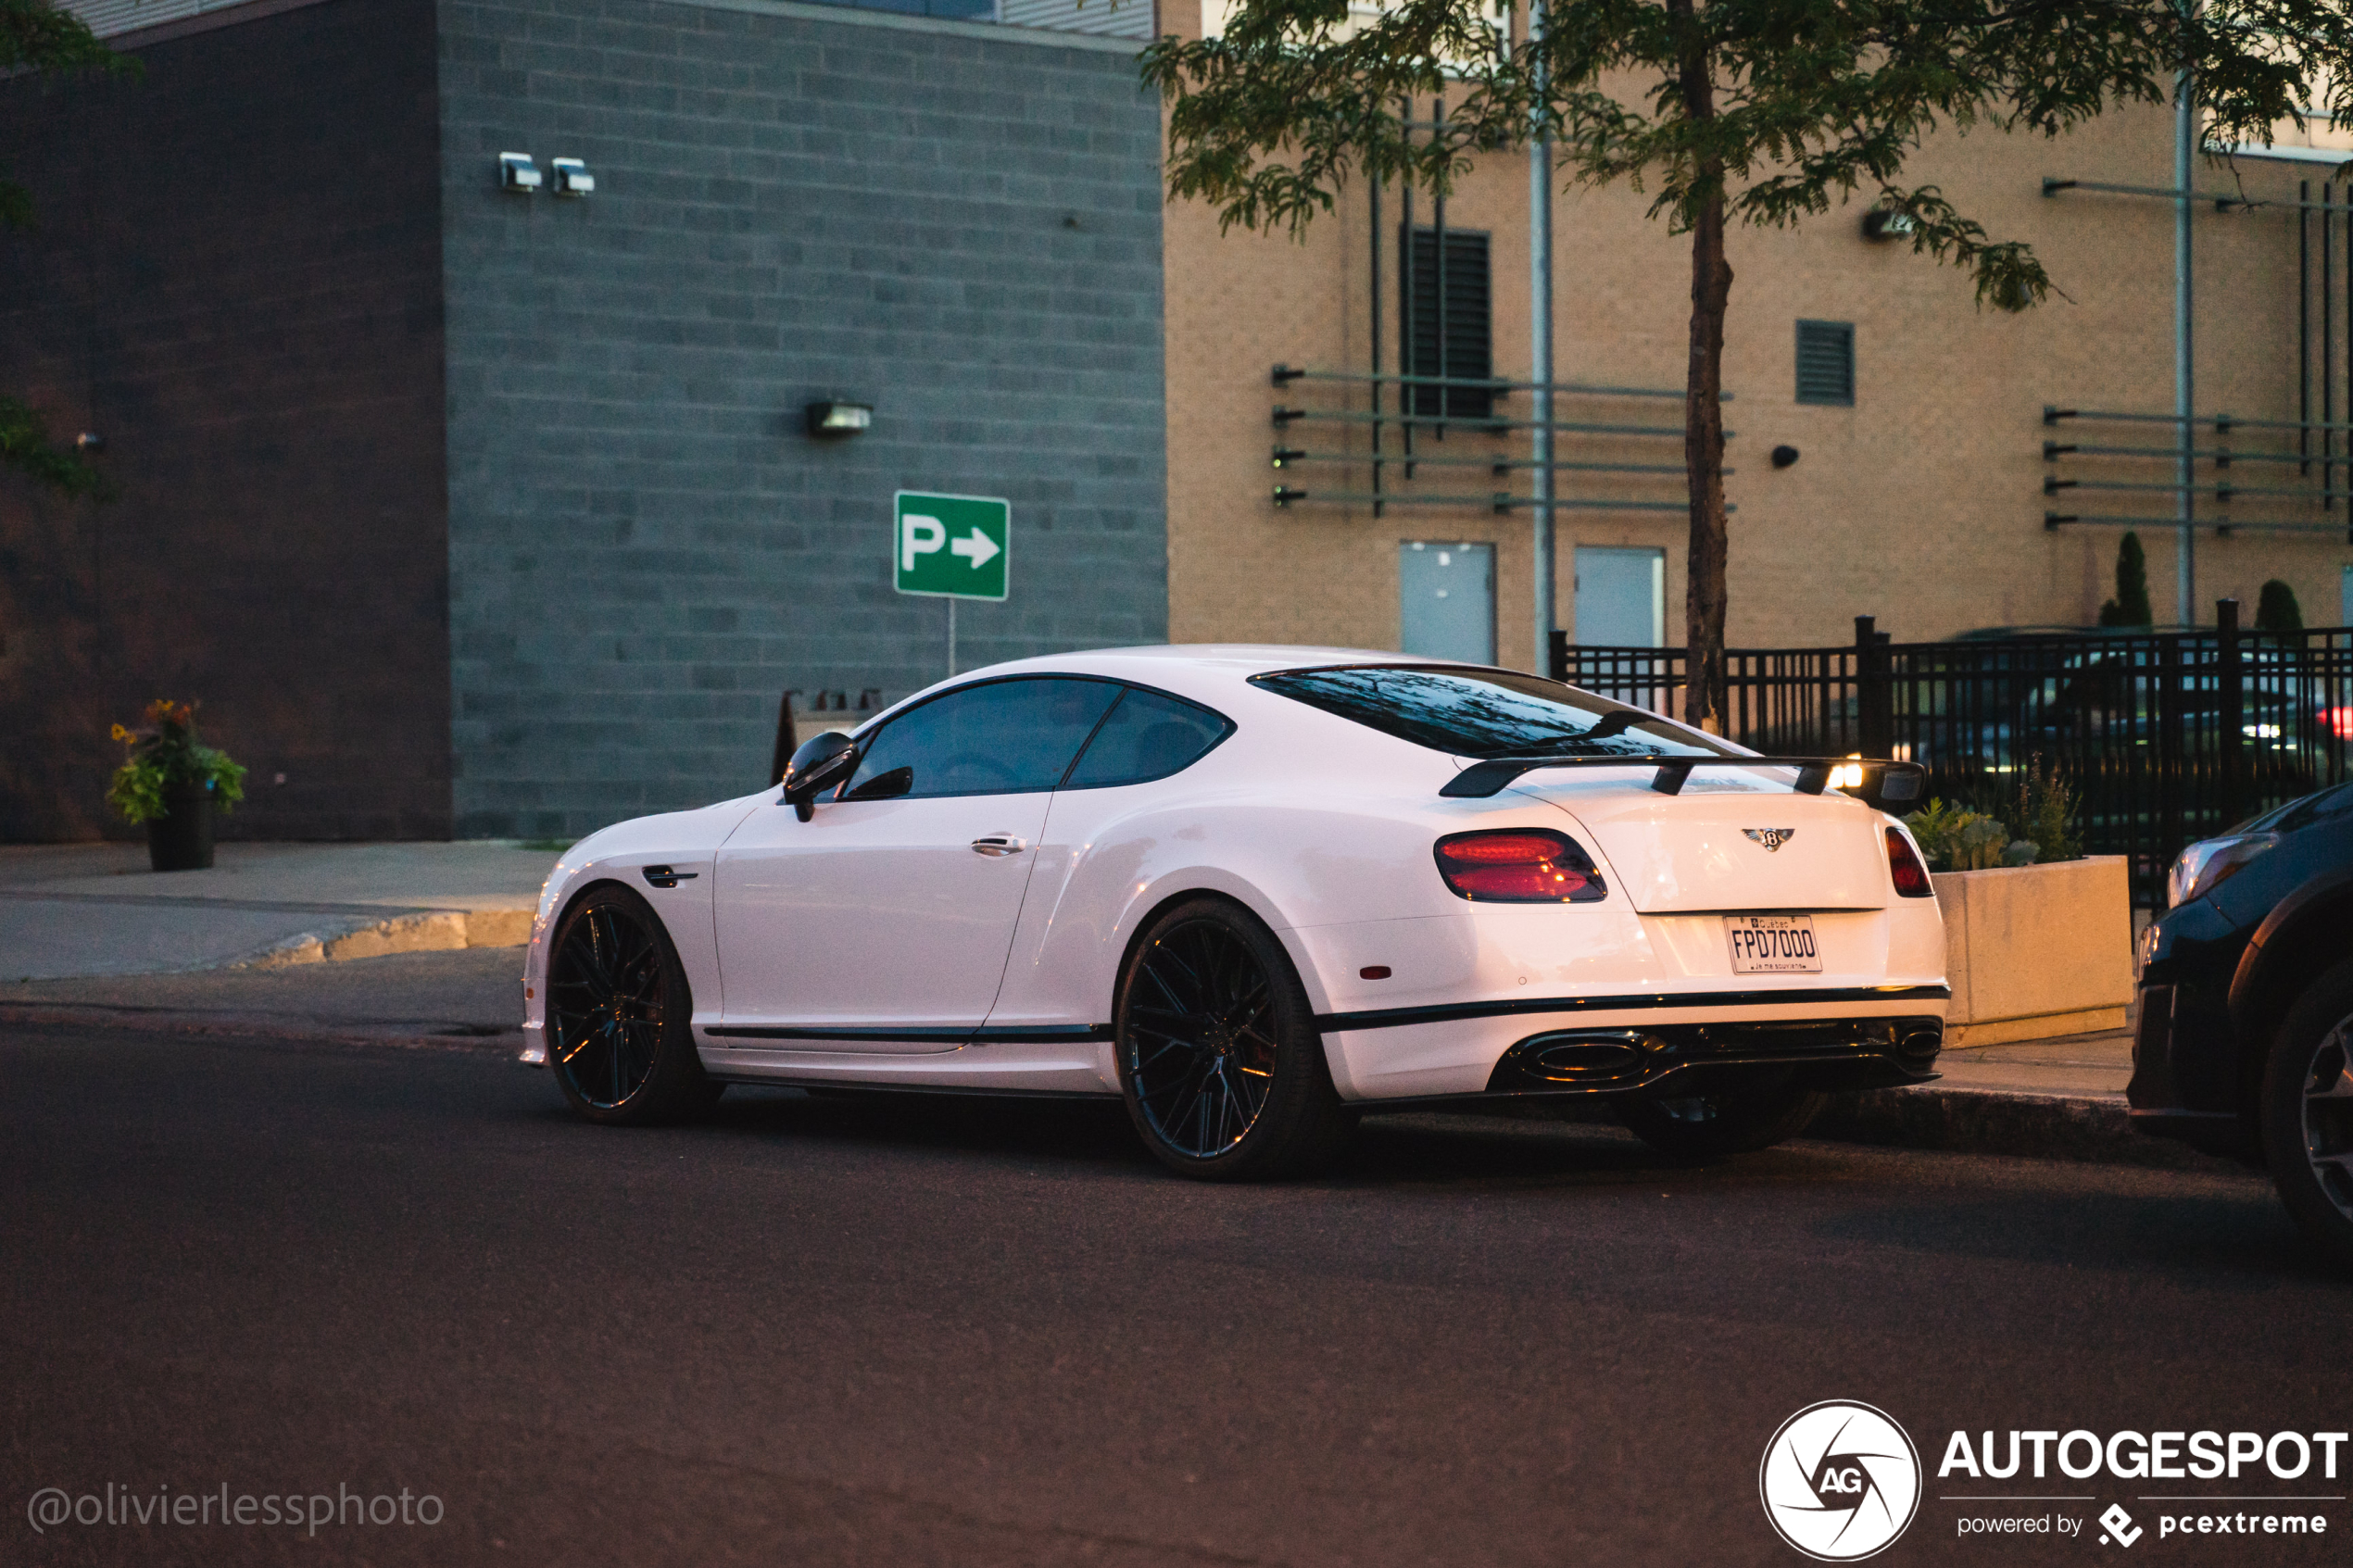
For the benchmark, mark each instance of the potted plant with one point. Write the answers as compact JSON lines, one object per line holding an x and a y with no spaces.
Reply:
{"x":2037,"y":934}
{"x":170,"y":782}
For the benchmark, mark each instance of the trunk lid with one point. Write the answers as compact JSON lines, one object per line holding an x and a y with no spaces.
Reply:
{"x":1736,"y":843}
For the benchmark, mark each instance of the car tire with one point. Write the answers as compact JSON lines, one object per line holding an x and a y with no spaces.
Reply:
{"x":1702,"y":1127}
{"x":1220,"y":1061}
{"x":620,"y":1036}
{"x":2308,"y":1112}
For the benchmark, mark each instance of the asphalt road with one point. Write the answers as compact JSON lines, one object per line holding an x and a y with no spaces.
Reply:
{"x":817,"y":1331}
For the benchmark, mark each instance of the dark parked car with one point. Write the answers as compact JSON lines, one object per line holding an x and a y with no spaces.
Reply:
{"x":2246,"y":1042}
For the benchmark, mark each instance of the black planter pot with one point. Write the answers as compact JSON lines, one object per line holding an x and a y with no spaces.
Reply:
{"x":181,"y":840}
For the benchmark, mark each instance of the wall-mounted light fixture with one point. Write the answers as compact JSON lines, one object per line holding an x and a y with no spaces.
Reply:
{"x":572,"y":178}
{"x":835,"y":418}
{"x":518,"y":173}
{"x":1881,"y":223}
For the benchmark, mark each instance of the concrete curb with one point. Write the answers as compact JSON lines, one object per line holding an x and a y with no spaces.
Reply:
{"x":2085,"y":1127}
{"x":425,"y":931}
{"x":408,"y":1034}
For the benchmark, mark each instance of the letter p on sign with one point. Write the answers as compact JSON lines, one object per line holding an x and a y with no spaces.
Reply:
{"x":919,"y":535}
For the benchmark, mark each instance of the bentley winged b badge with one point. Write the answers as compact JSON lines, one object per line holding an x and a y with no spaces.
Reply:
{"x":1771,"y":838}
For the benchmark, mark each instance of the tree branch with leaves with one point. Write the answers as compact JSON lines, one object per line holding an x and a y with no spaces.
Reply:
{"x":38,"y":38}
{"x":1729,"y":113}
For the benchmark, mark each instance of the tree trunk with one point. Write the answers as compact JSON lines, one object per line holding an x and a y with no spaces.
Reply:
{"x":1704,"y":690}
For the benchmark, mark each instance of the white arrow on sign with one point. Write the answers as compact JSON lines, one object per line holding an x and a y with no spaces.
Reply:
{"x":980,"y":547}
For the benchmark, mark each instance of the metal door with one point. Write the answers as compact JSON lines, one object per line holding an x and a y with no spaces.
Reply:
{"x":1446,"y":601}
{"x":1621,"y":597}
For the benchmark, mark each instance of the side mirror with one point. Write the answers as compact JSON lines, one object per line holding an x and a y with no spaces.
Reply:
{"x":823,"y":762}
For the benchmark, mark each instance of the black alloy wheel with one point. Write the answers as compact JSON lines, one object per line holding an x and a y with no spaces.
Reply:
{"x":1219,"y":1058}
{"x":2308,"y":1112}
{"x":618,"y":1014}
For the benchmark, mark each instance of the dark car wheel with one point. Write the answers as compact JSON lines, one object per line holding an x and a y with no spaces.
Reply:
{"x":618,"y":1015}
{"x":2308,"y":1112}
{"x":1712,"y":1126}
{"x":1219,"y":1057}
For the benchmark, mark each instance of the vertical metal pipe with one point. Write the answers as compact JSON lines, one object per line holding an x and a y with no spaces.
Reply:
{"x":2230,"y":730}
{"x":1438,"y":285}
{"x":1376,"y":311}
{"x":1409,"y":397}
{"x":1540,"y":355}
{"x":2328,"y":342}
{"x":2185,"y":501}
{"x":2184,"y":368}
{"x":2304,"y":325}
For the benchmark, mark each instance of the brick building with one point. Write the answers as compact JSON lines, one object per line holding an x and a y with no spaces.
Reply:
{"x":477,"y":513}
{"x":1917,"y":489}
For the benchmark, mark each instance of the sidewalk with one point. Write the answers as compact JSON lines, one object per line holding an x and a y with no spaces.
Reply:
{"x":2060,"y":1098}
{"x":89,"y":909}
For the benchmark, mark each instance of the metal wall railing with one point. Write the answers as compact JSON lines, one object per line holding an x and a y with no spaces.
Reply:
{"x":2167,"y":738}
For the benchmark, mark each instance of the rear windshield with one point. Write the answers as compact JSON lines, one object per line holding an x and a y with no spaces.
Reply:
{"x":1488,"y":712}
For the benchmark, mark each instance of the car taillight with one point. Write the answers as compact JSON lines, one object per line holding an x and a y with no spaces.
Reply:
{"x":1904,"y":865}
{"x":2339,"y":721}
{"x":1520,"y":866}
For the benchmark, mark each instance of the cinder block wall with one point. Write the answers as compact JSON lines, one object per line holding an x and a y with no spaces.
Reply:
{"x":236,"y":281}
{"x":958,"y":224}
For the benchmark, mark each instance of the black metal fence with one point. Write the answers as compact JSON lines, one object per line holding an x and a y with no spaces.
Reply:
{"x":2165,"y":737}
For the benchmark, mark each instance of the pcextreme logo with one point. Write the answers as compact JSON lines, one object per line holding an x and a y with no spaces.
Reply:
{"x":1840,"y":1481}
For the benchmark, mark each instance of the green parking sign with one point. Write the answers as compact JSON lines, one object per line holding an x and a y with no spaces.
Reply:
{"x":950,"y":547}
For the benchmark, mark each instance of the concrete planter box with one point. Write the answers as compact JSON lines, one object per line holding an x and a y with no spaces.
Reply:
{"x":2033,"y":951}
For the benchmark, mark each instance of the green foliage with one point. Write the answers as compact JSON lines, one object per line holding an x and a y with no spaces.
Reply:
{"x":1780,"y":109}
{"x":1977,"y":845}
{"x":37,"y":37}
{"x":2131,"y":606}
{"x":25,"y":446}
{"x":1942,"y":829}
{"x":2048,"y":811}
{"x":1956,"y":838}
{"x":1932,"y":827}
{"x":156,"y":760}
{"x":2277,"y":610}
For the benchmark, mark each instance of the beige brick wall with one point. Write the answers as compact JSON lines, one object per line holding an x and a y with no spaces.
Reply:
{"x":1923,"y":505}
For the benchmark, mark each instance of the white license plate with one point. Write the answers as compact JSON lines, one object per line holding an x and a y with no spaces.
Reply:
{"x":1773,"y":944}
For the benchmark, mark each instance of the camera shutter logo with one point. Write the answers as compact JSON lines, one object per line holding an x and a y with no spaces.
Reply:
{"x":1840,"y":1481}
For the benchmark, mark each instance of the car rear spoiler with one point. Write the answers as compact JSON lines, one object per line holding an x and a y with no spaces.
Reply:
{"x":1898,"y":781}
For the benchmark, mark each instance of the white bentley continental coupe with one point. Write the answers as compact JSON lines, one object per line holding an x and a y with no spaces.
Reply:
{"x":1255,"y":892}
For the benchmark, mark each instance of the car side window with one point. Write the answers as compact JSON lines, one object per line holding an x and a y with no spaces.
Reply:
{"x":1148,"y":735}
{"x":1003,"y":738}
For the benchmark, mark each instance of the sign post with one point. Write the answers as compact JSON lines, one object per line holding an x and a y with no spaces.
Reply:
{"x":950,"y":547}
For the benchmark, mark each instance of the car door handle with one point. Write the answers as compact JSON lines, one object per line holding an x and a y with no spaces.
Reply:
{"x":999,"y":844}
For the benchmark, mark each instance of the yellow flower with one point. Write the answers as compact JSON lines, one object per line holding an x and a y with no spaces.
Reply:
{"x":122,"y":734}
